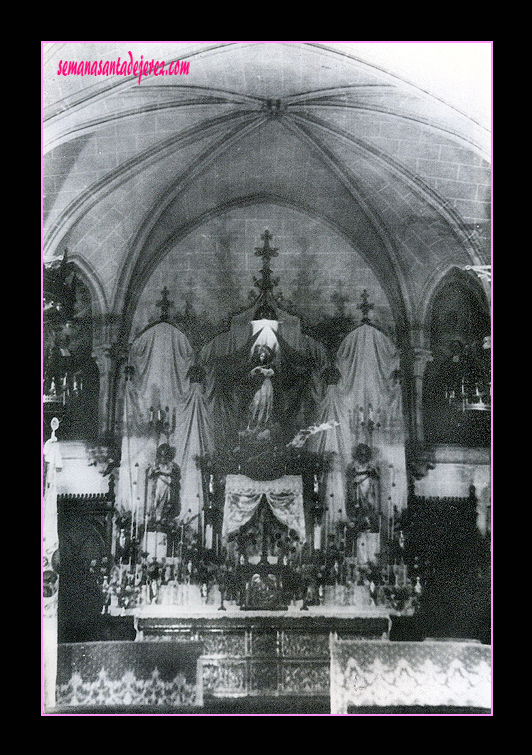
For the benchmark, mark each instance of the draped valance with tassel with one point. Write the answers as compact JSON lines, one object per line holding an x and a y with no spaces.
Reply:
{"x":284,"y":497}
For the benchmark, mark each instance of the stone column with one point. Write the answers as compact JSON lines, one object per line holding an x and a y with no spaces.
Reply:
{"x":108,"y":358}
{"x":420,"y":358}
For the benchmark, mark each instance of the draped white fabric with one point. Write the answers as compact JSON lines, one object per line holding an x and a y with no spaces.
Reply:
{"x":161,"y":358}
{"x":50,"y":546}
{"x":336,"y":443}
{"x":284,"y":497}
{"x":368,"y":387}
{"x":217,"y":359}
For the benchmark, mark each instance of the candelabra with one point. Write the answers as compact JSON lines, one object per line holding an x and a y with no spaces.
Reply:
{"x":468,"y":387}
{"x":62,"y":389}
{"x":162,"y":422}
{"x":472,"y":398}
{"x":364,"y":420}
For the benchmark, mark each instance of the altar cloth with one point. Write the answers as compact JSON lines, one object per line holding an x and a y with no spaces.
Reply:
{"x":129,"y":674}
{"x":232,"y":610}
{"x":450,"y":673}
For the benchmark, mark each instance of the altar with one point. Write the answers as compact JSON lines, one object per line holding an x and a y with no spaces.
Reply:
{"x":263,"y":653}
{"x":260,"y":490}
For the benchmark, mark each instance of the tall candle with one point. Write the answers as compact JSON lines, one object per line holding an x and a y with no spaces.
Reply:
{"x":113,"y":539}
{"x":317,"y":537}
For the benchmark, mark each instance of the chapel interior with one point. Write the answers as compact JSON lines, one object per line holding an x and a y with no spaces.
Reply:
{"x":266,"y":381}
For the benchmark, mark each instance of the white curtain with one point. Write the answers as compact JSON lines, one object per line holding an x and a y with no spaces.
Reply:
{"x":335,"y":445}
{"x":226,"y":353}
{"x":161,"y":358}
{"x":284,"y":497}
{"x":53,"y":465}
{"x":368,"y":388}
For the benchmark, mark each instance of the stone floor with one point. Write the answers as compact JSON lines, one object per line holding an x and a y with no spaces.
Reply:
{"x":259,"y":706}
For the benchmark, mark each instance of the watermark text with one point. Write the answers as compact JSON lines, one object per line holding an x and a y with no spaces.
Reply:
{"x":118,"y":67}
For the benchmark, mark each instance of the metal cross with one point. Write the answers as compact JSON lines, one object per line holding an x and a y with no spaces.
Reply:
{"x":266,"y":252}
{"x":266,"y":283}
{"x":365,"y":307}
{"x":164,"y":304}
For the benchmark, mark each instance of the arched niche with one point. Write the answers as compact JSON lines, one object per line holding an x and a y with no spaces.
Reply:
{"x":458,"y":376}
{"x":209,"y":273}
{"x":71,"y":381}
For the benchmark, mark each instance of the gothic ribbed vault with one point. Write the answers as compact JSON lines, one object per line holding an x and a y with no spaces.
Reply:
{"x":132,"y":172}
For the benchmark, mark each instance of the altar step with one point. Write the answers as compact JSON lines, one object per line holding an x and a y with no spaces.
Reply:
{"x":268,"y":705}
{"x":249,"y":706}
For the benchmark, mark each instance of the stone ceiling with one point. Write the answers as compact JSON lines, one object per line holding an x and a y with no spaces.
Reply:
{"x":132,"y":170}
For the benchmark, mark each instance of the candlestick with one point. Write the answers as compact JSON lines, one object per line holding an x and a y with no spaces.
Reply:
{"x":317,"y":537}
{"x":113,"y":539}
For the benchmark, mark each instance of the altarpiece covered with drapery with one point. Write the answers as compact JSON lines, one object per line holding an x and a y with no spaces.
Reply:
{"x":262,"y":421}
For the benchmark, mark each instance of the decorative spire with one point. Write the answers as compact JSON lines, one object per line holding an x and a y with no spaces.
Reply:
{"x":365,"y":307}
{"x":265,"y":283}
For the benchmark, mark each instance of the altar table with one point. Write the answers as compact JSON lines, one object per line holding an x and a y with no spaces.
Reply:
{"x":270,"y":653}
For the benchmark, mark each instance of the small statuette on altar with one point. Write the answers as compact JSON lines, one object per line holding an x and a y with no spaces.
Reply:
{"x":144,"y":596}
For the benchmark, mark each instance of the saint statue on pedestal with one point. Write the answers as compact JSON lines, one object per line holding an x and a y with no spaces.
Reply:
{"x":363,"y":488}
{"x":165,"y":491}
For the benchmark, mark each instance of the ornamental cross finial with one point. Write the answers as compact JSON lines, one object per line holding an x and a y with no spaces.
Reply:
{"x":266,"y":283}
{"x":365,"y":307}
{"x":266,"y":252}
{"x":339,"y":299}
{"x":164,"y":304}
